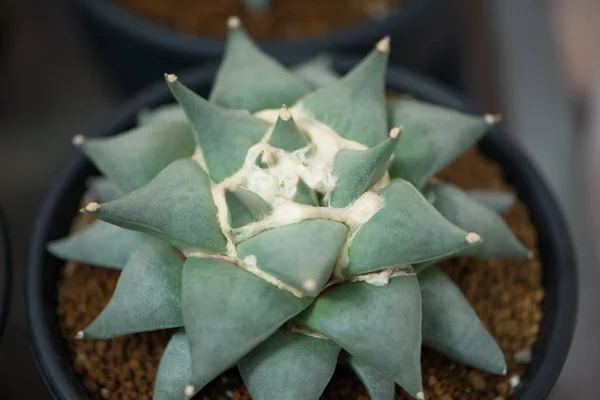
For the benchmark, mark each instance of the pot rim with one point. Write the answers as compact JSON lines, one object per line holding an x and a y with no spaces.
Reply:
{"x":5,"y":272}
{"x":554,"y":245}
{"x":172,"y":41}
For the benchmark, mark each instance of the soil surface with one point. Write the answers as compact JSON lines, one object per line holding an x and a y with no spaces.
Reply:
{"x":284,"y":19}
{"x":505,"y":293}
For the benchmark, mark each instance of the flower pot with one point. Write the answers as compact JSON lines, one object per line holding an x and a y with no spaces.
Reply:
{"x":137,"y":50}
{"x":554,"y":247}
{"x":5,"y":272}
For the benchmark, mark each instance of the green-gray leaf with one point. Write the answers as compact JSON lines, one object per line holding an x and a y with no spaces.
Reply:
{"x":452,"y":327}
{"x":432,"y":137}
{"x":301,"y":255}
{"x":305,"y":195}
{"x":245,"y":207}
{"x":251,"y":80}
{"x":147,"y":296}
{"x":354,"y":106}
{"x":175,"y":369}
{"x":133,"y":158}
{"x":101,"y":244}
{"x":101,"y":189}
{"x":289,"y":366}
{"x":166,"y":113}
{"x":407,"y":230}
{"x":286,"y":134}
{"x":176,"y":206}
{"x":381,"y":325}
{"x":496,"y":200}
{"x":378,"y":385}
{"x":467,"y":213}
{"x":227,"y":312}
{"x":224,"y":136}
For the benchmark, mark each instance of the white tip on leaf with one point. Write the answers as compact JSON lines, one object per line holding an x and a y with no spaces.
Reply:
{"x":284,"y":113}
{"x":309,"y":284}
{"x":492,"y":119}
{"x":233,"y":22}
{"x":189,"y":390}
{"x":79,"y":335}
{"x":384,"y":45}
{"x":421,"y":396}
{"x":530,"y":255}
{"x":472,"y":238}
{"x":171,"y":77}
{"x":92,"y":207}
{"x":78,"y":140}
{"x":395,"y":132}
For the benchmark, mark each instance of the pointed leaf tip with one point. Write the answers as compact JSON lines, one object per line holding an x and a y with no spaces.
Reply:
{"x":284,"y":113}
{"x":492,"y":119}
{"x":472,"y":238}
{"x":233,"y":22}
{"x":92,"y":207}
{"x":78,"y":140}
{"x":190,"y":390}
{"x":395,"y":132}
{"x":384,"y":45}
{"x":170,"y":78}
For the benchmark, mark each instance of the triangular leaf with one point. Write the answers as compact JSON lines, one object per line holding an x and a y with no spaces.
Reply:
{"x":354,"y":106}
{"x":224,"y":135}
{"x":147,"y":296}
{"x":175,"y":369}
{"x":406,"y":230}
{"x":432,"y":137}
{"x":356,"y":171}
{"x":378,"y":385}
{"x":381,"y":325}
{"x":286,"y":134}
{"x":318,"y":71}
{"x":101,"y":189}
{"x":176,"y":206}
{"x":228,"y":311}
{"x":289,"y":366}
{"x":133,"y":158}
{"x":467,"y":213}
{"x":100,"y":244}
{"x":305,"y":195}
{"x":301,"y":255}
{"x":251,"y":80}
{"x":452,"y":327}
{"x":166,"y":113}
{"x":496,"y":200}
{"x":245,"y":206}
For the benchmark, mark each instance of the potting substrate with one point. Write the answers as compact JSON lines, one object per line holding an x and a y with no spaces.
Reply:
{"x":505,"y":293}
{"x":283,"y":19}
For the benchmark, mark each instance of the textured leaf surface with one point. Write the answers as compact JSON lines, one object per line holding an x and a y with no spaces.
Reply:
{"x":301,"y":255}
{"x":378,"y":385}
{"x":354,"y":106}
{"x":305,"y":195}
{"x":227,"y":312}
{"x":286,"y":134}
{"x":467,"y":213}
{"x":451,"y":326}
{"x":224,"y":135}
{"x":147,"y":296}
{"x":176,"y":206}
{"x":100,"y":188}
{"x":357,"y":171}
{"x":289,"y":366}
{"x":175,"y":369}
{"x":381,"y":325}
{"x":496,"y":200}
{"x":245,"y":206}
{"x":100,"y":244}
{"x":251,"y":80}
{"x":432,"y":137}
{"x":133,"y":158}
{"x":406,"y":230}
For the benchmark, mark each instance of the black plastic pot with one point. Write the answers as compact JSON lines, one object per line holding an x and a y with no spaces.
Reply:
{"x":5,"y":272}
{"x":139,"y":51}
{"x":555,"y":249}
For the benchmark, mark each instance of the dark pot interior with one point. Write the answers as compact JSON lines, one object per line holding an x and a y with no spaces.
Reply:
{"x":5,"y":272}
{"x":136,"y":51}
{"x":62,"y":201}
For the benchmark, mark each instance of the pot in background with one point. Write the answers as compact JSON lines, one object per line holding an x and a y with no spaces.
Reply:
{"x":138,"y":51}
{"x":55,"y":218}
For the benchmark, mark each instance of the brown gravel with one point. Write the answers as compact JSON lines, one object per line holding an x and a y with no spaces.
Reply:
{"x":284,"y":19}
{"x":505,"y":293}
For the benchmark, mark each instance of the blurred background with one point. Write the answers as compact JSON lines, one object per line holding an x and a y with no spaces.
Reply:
{"x":532,"y":60}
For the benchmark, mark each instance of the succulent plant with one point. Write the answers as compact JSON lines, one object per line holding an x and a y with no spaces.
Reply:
{"x":290,"y":240}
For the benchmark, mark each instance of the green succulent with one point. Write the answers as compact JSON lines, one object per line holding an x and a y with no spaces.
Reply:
{"x":288,"y":241}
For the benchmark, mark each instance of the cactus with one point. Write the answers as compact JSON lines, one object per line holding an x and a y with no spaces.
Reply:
{"x":290,"y":240}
